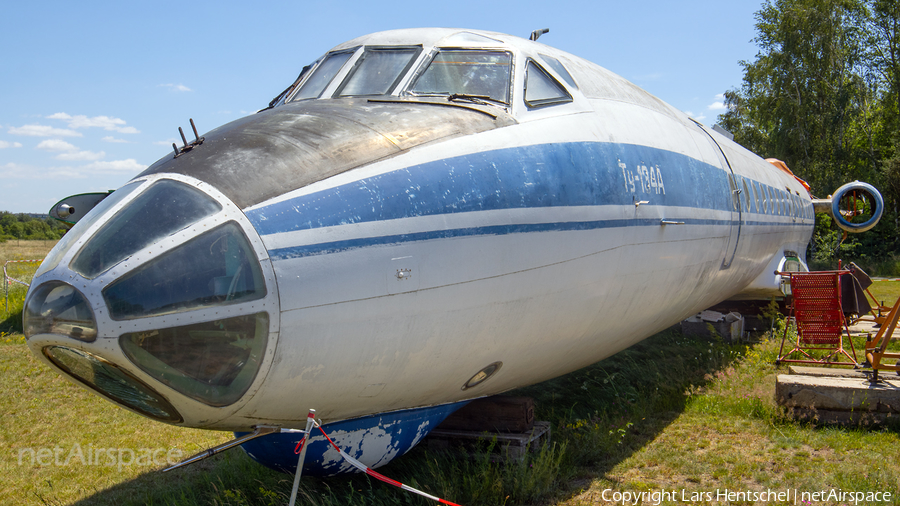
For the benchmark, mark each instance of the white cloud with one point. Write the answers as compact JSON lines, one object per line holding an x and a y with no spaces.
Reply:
{"x":43,"y":131}
{"x":94,"y":169}
{"x":56,"y":145}
{"x":69,"y":152}
{"x":115,"y":166}
{"x":81,"y":156}
{"x":104,"y":122}
{"x":110,"y":138}
{"x":176,"y":87}
{"x":6,"y":144}
{"x":701,"y":117}
{"x":719,"y":104}
{"x":19,"y":171}
{"x":11,"y":170}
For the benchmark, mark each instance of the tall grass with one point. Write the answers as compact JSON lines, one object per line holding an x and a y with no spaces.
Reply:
{"x":13,"y":293}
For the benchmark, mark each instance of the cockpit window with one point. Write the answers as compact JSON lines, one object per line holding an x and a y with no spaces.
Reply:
{"x":72,"y":236}
{"x":161,"y":210}
{"x":467,"y":72}
{"x":213,"y":362}
{"x":541,"y":89}
{"x":378,"y":71}
{"x":58,"y":308}
{"x":112,"y":382}
{"x":559,"y":69}
{"x":322,"y":76}
{"x":216,"y":268}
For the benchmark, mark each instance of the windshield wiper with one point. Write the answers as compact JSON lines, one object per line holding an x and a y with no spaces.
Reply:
{"x":476,"y":99}
{"x":287,"y":90}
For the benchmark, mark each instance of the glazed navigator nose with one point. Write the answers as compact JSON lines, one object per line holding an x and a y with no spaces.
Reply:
{"x":156,"y":300}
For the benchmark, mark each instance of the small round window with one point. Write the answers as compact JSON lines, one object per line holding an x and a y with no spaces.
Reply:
{"x":482,"y":375}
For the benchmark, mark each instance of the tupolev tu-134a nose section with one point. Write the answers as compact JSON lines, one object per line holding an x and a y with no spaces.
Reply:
{"x":167,"y":251}
{"x":167,"y":284}
{"x":168,"y":279}
{"x":424,"y":217}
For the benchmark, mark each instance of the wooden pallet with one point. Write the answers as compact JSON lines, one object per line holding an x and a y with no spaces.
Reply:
{"x":498,"y":413}
{"x":508,"y":446}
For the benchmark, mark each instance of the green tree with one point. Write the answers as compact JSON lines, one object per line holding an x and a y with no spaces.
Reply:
{"x":803,"y":96}
{"x":883,"y":51}
{"x":823,"y":94}
{"x":7,"y":219}
{"x":23,"y":226}
{"x":17,"y":230}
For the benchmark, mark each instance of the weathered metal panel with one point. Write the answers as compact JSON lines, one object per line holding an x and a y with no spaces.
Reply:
{"x":267,"y":154}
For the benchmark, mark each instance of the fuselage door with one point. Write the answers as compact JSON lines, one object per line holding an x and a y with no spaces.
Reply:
{"x":735,"y":233}
{"x":734,"y":197}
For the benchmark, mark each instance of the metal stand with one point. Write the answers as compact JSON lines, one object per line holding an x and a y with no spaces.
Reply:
{"x":310,"y":420}
{"x":258,"y":431}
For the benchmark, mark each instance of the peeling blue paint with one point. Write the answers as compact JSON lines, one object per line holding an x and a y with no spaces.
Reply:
{"x":545,"y":175}
{"x":538,"y":176}
{"x":403,"y":430}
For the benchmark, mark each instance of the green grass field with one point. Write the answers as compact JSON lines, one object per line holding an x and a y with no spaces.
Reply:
{"x":23,"y":255}
{"x":672,"y":413}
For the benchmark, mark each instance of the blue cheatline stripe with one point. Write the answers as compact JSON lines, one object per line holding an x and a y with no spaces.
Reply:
{"x":350,"y":244}
{"x":544,"y":175}
{"x":339,"y":246}
{"x":800,"y":222}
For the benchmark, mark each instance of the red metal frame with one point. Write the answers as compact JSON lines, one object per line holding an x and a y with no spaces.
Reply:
{"x":821,"y":325}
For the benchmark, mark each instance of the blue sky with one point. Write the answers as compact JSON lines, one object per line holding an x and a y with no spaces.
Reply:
{"x":93,"y":92}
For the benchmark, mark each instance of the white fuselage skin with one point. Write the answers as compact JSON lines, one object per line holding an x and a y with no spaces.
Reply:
{"x":543,"y":303}
{"x":386,"y":325}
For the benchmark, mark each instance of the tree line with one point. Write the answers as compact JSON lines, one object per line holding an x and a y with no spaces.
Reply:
{"x":26,"y":227}
{"x":823,"y":95}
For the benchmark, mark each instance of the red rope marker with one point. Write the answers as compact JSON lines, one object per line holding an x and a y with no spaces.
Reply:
{"x":300,"y":445}
{"x":378,"y":476}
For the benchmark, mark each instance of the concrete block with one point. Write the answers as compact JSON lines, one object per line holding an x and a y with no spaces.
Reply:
{"x":833,"y":372}
{"x":728,"y":326}
{"x":854,"y":394}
